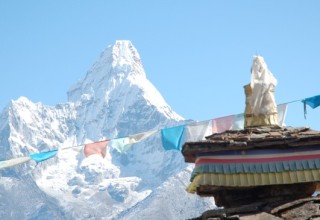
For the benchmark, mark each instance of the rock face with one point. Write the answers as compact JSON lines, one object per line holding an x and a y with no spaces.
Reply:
{"x":306,"y":208}
{"x":115,"y":99}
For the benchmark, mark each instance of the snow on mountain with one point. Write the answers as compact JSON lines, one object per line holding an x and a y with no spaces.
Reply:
{"x":29,"y":128}
{"x":115,"y":96}
{"x":115,"y":99}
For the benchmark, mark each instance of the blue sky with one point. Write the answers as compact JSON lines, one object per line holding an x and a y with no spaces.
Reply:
{"x":197,"y":53}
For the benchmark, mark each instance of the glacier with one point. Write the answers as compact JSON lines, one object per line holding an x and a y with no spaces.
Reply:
{"x":114,"y":99}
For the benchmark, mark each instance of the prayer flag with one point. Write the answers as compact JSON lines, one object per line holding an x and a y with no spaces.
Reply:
{"x":222,"y":124}
{"x":231,"y":122}
{"x":39,"y":157}
{"x":313,"y":102}
{"x":238,"y":123}
{"x":122,"y":145}
{"x":13,"y":162}
{"x":197,"y":131}
{"x":172,"y":137}
{"x":282,"y":111}
{"x":95,"y":148}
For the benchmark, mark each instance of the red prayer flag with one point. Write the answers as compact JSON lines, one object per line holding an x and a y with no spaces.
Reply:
{"x":95,"y":148}
{"x":222,"y":124}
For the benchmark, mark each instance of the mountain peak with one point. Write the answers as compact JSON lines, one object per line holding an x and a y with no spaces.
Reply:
{"x":116,"y":87}
{"x":116,"y":63}
{"x":124,"y":52}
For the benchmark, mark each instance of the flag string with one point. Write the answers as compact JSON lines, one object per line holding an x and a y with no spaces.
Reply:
{"x":169,"y":135}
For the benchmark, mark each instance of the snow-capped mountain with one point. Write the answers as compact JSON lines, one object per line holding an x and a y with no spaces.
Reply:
{"x":115,"y":99}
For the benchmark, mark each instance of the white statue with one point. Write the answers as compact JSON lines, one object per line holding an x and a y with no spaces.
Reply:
{"x":261,"y":107}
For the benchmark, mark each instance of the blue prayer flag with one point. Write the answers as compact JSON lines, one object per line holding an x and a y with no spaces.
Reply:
{"x":172,"y":137}
{"x":39,"y":157}
{"x":313,"y":102}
